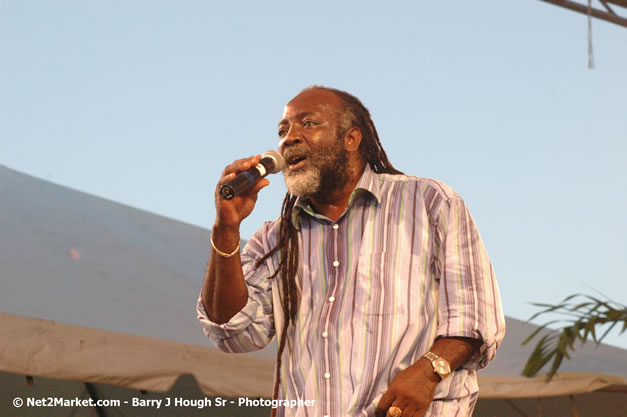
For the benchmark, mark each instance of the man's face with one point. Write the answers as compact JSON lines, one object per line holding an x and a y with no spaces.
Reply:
{"x":312,"y":144}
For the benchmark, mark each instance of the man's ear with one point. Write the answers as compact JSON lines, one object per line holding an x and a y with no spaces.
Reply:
{"x":352,"y":139}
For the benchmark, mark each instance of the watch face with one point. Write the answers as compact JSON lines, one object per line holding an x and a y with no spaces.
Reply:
{"x":442,"y":367}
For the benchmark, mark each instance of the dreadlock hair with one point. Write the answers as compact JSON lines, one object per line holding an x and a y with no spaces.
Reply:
{"x":353,"y":114}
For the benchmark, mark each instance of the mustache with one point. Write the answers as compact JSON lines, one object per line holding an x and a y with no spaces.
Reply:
{"x":301,"y":151}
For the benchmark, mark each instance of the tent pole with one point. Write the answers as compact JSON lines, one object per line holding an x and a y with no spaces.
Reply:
{"x":539,"y":407}
{"x":575,"y":411}
{"x":517,"y":409}
{"x":92,"y":394}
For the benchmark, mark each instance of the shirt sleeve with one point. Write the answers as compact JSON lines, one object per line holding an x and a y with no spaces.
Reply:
{"x":469,"y":299}
{"x":252,"y":328}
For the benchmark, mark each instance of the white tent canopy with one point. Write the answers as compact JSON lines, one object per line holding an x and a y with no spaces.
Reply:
{"x":101,"y":293}
{"x":50,"y":349}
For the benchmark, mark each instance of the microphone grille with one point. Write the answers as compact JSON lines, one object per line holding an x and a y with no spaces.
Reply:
{"x":276,"y":157}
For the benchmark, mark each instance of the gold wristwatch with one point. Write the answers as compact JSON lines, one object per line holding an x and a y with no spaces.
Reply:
{"x":440,"y":365}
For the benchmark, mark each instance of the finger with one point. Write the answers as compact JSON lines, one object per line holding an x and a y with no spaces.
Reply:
{"x":251,"y":162}
{"x":264,"y":182}
{"x":226,"y":178}
{"x":420,"y":412}
{"x":241,"y":165}
{"x":231,"y":171}
{"x":397,"y":404}
{"x":380,"y":412}
{"x":409,"y":410}
{"x":384,"y":403}
{"x":253,"y":192}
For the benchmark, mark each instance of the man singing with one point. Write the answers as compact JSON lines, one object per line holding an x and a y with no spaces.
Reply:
{"x":376,"y":284}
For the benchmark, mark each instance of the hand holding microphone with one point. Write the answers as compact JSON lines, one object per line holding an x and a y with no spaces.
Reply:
{"x":271,"y":162}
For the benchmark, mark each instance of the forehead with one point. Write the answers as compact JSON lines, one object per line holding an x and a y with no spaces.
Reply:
{"x":310,"y":101}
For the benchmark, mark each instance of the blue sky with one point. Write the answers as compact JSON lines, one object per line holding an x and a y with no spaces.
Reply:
{"x":145,"y":102}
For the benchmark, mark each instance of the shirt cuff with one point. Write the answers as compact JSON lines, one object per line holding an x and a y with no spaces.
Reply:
{"x":242,"y":333}
{"x":480,"y":358}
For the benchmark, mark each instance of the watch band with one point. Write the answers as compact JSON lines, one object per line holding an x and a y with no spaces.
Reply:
{"x":440,"y":365}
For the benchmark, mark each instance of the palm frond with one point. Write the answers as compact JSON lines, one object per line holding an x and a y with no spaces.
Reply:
{"x":584,"y":318}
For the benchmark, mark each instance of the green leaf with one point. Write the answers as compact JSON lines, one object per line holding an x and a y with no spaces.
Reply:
{"x":536,"y":331}
{"x":539,"y":356}
{"x":547,"y":310}
{"x":556,"y":364}
{"x":584,"y":316}
{"x":607,"y":331}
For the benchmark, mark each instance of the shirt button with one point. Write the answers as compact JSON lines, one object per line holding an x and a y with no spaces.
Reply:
{"x":327,"y":375}
{"x":336,"y":226}
{"x":336,"y":263}
{"x":325,"y":334}
{"x":331,"y":298}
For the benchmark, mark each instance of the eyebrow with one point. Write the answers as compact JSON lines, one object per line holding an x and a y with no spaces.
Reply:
{"x":298,"y":116}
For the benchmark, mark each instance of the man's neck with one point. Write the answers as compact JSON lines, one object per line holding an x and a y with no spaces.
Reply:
{"x":333,"y":204}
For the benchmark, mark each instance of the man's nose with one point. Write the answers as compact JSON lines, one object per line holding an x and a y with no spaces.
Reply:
{"x":292,"y":137}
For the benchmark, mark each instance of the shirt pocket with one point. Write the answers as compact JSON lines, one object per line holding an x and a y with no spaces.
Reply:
{"x":379,"y":290}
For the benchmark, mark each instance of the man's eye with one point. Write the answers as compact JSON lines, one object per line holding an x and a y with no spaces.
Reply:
{"x":281,"y":133}
{"x":308,"y":123}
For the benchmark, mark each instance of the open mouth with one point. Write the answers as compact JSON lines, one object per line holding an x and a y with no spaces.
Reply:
{"x":296,"y":161}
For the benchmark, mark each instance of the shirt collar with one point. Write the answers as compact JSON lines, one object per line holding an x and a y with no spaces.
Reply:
{"x":369,"y":183}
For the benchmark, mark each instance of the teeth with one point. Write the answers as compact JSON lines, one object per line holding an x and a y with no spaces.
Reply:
{"x":296,"y":159}
{"x":294,"y":156}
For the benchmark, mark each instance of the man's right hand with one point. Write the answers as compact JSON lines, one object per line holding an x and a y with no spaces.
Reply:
{"x":224,"y":291}
{"x":230,"y":213}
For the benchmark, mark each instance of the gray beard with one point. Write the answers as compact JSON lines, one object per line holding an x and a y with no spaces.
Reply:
{"x":303,"y":183}
{"x":328,"y":172}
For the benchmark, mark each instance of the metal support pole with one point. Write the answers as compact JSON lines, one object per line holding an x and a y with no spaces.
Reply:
{"x":91,"y":390}
{"x":575,"y":411}
{"x":580,"y":8}
{"x":515,"y":407}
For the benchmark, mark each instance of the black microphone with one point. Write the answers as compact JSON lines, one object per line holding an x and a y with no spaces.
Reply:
{"x":271,"y":163}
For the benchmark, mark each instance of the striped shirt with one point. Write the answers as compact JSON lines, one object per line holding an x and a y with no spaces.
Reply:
{"x":402,"y":265}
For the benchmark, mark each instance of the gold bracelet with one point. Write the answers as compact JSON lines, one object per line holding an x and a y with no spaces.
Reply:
{"x":224,"y":254}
